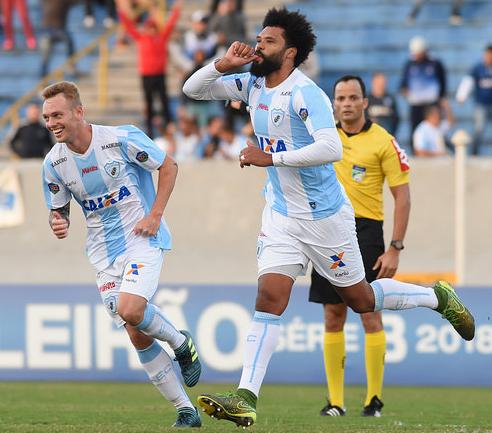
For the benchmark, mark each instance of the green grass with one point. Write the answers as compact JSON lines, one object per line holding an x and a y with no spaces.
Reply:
{"x":138,"y":408}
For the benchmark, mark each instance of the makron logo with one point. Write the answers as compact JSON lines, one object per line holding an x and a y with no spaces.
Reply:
{"x":87,"y":170}
{"x":106,"y":200}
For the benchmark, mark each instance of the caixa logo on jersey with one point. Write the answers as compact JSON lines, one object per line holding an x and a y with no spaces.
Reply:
{"x":106,"y":200}
{"x":271,"y":145}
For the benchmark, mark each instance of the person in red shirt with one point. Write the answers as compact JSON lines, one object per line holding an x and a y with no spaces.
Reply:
{"x":152,"y":42}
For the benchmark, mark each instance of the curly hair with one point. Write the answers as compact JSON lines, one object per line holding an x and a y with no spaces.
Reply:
{"x":298,"y":31}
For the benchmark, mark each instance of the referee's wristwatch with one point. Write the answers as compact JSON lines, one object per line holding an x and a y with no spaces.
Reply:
{"x":397,"y":245}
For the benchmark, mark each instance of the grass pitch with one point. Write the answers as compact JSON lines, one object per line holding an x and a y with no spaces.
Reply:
{"x":47,"y":407}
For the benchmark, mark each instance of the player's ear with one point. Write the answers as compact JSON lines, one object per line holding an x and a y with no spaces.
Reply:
{"x":291,"y":53}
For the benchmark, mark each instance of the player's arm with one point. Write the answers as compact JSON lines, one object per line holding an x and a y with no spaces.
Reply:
{"x":59,"y":220}
{"x":388,"y":262}
{"x":207,"y":83}
{"x":149,"y":225}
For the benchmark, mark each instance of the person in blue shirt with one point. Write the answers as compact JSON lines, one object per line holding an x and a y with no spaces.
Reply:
{"x":423,"y":82}
{"x":107,"y":170}
{"x":307,"y":216}
{"x":479,"y":81}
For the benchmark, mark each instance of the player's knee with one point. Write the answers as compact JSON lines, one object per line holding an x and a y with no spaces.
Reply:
{"x":131,"y":314}
{"x":372,"y":322}
{"x":360,"y":305}
{"x":269,"y":302}
{"x":335,"y":317}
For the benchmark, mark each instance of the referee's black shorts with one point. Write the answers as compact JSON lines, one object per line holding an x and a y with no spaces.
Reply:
{"x":371,"y":244}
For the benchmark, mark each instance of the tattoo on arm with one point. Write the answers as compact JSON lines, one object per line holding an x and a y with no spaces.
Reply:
{"x":63,"y":211}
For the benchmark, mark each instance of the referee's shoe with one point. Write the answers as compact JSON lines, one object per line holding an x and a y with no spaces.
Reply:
{"x":331,"y":410}
{"x":373,"y":408}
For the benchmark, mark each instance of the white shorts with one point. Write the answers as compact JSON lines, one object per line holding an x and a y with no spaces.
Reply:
{"x":329,"y":243}
{"x":135,"y":272}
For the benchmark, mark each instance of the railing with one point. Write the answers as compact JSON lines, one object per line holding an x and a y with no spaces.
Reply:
{"x":11,"y":116}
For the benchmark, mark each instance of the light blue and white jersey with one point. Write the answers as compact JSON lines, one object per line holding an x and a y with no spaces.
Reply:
{"x":112,"y":182}
{"x":284,"y":119}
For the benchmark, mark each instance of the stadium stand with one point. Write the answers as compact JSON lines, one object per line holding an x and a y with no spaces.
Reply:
{"x":365,"y":36}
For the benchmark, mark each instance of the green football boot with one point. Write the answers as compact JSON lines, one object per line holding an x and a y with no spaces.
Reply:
{"x":188,"y":360}
{"x":452,"y":308}
{"x":229,"y":406}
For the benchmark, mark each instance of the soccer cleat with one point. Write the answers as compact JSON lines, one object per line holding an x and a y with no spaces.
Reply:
{"x":331,"y":410}
{"x":188,"y":360}
{"x":452,"y":308}
{"x":229,"y":406}
{"x":373,"y":408}
{"x":188,"y":417}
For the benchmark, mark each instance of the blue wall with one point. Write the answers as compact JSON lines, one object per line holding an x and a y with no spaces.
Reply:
{"x":58,"y":332}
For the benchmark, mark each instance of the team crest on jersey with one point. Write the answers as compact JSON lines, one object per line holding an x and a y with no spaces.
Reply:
{"x":303,"y":114}
{"x":54,"y":188}
{"x":358,"y":173}
{"x":113,"y":168}
{"x":277,"y":116}
{"x":142,"y":156}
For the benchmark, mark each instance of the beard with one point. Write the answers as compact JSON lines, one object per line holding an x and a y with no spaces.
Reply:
{"x":266,"y":67}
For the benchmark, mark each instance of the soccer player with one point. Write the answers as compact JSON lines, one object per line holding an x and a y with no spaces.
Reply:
{"x":370,"y":154}
{"x":307,"y":216}
{"x":108,"y":171}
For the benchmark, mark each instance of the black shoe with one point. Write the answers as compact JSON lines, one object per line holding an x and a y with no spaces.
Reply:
{"x":373,"y":408}
{"x":330,"y":410}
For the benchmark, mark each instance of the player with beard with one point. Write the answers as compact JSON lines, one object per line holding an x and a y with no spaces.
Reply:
{"x":308,"y":217}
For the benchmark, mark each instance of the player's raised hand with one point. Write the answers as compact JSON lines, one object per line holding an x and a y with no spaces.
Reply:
{"x":238,"y":54}
{"x":252,"y":155}
{"x":147,"y":226}
{"x":59,"y":224}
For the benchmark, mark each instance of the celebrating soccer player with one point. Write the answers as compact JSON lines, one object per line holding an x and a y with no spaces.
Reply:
{"x":108,"y":171}
{"x":308,"y":216}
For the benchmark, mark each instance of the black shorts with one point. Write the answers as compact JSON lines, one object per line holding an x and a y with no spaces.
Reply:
{"x":371,"y":244}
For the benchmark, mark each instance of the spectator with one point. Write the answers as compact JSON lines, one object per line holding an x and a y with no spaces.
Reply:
{"x":423,"y":82}
{"x":32,"y":139}
{"x":55,"y":13}
{"x":185,"y":138}
{"x":201,"y":110}
{"x":429,"y":136}
{"x":198,"y":38}
{"x":152,"y":59}
{"x":215,"y":4}
{"x":230,"y":143}
{"x":479,"y":80}
{"x":455,"y":18}
{"x":383,"y":108}
{"x":209,"y":143}
{"x":109,"y":19}
{"x":179,"y":67}
{"x":8,"y":7}
{"x":228,"y":24}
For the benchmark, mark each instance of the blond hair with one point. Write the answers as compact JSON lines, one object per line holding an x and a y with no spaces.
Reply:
{"x":69,"y":90}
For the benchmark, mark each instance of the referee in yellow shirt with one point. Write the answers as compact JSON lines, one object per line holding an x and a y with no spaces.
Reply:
{"x":370,"y":154}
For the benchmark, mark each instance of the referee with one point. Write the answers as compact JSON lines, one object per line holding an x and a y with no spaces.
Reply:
{"x":370,"y":154}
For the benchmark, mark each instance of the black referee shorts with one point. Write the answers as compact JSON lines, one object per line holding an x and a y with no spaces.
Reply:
{"x":371,"y":244}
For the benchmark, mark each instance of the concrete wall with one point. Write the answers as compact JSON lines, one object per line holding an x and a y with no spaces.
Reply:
{"x":214,"y":216}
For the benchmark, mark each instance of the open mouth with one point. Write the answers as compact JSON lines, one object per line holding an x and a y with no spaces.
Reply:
{"x":57,"y":132}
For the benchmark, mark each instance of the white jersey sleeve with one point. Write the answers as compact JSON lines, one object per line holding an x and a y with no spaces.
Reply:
{"x":314,"y":108}
{"x":141,"y":150}
{"x":209,"y":84}
{"x":56,"y":194}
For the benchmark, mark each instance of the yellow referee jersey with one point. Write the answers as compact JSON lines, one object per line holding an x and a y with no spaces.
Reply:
{"x":368,"y":158}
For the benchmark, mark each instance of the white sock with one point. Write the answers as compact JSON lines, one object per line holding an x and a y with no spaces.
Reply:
{"x":261,"y":342}
{"x":159,"y":368}
{"x":158,"y":326}
{"x":394,"y":295}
